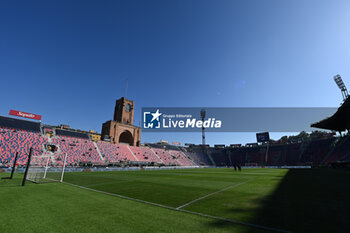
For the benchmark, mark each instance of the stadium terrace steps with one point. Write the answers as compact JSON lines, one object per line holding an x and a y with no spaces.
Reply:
{"x":346,"y":157}
{"x":24,"y":125}
{"x":83,"y":150}
{"x":98,"y":151}
{"x":14,"y":140}
{"x":125,"y":152}
{"x":165,"y":156}
{"x":145,"y":154}
{"x":156,"y":155}
{"x":317,"y":151}
{"x":132,"y":153}
{"x":67,"y":133}
{"x":200,"y":157}
{"x":174,"y":157}
{"x":219,"y":156}
{"x":188,"y":157}
{"x":211,"y":159}
{"x":115,"y":152}
{"x":181,"y":158}
{"x":78,"y":150}
{"x":108,"y":151}
{"x":343,"y":145}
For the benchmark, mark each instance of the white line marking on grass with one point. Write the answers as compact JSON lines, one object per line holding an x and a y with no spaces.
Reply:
{"x":229,"y":172}
{"x":182,"y":210}
{"x":236,"y":221}
{"x":255,"y":173}
{"x":211,"y":194}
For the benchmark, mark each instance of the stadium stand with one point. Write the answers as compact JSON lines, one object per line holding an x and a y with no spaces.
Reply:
{"x":191,"y":156}
{"x":71,"y":134}
{"x":316,"y":151}
{"x":109,"y":151}
{"x":180,"y":158}
{"x":237,"y":155}
{"x":125,"y":153}
{"x":77,"y":149}
{"x":15,"y":140}
{"x":340,"y":151}
{"x":220,"y":157}
{"x":145,"y":154}
{"x":13,"y":123}
{"x":20,"y":135}
{"x":165,"y":156}
{"x":276,"y":155}
{"x":200,"y":155}
{"x":292,"y":153}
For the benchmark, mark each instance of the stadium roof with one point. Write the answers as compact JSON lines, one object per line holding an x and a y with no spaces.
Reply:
{"x":340,"y":121}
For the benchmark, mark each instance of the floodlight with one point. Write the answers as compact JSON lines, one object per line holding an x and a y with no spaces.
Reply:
{"x":338,"y":80}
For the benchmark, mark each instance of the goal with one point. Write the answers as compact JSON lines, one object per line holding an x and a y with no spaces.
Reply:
{"x":251,"y":164}
{"x":48,"y":167}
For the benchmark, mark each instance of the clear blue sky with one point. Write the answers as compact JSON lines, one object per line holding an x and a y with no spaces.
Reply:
{"x":69,"y":60}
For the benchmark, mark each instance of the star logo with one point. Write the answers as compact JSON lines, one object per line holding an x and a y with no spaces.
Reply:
{"x":156,"y":115}
{"x":151,"y":119}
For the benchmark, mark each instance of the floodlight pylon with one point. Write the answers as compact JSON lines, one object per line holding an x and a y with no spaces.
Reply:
{"x":203,"y":129}
{"x":338,"y":80}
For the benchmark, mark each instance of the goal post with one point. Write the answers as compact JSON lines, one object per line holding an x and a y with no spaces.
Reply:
{"x":13,"y":168}
{"x":64,"y":166}
{"x":48,"y":167}
{"x":27,"y":167}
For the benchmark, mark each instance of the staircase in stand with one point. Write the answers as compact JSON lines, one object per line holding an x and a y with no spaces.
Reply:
{"x":132,"y":153}
{"x":98,"y":151}
{"x":157,"y":155}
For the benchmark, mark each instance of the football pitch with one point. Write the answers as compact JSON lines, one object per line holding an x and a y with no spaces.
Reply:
{"x":183,"y":200}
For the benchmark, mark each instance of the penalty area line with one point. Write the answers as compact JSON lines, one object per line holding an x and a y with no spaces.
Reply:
{"x":182,"y":210}
{"x":211,"y":194}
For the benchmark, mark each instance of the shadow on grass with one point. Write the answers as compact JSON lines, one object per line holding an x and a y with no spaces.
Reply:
{"x":220,"y":224}
{"x":308,"y":200}
{"x":15,"y":182}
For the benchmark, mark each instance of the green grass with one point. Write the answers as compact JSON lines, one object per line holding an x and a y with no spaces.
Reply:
{"x":298,"y":200}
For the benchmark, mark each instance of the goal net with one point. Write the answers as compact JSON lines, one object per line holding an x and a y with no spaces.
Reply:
{"x":46,"y":168}
{"x":251,"y":164}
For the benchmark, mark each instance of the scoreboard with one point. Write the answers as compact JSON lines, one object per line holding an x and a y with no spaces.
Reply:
{"x":263,"y":137}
